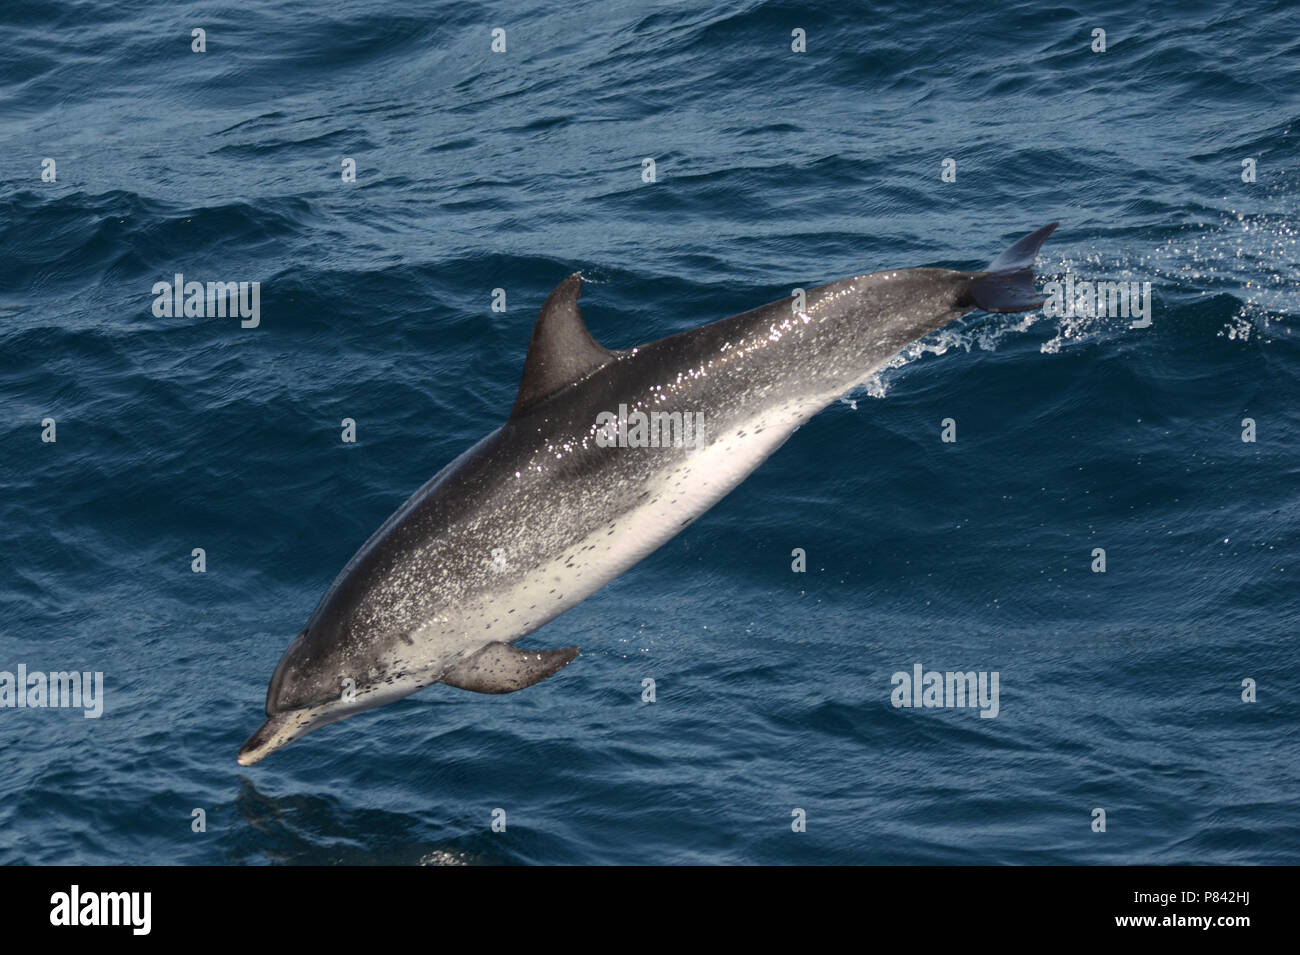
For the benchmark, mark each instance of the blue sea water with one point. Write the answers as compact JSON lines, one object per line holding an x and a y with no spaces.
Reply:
{"x":775,"y":169}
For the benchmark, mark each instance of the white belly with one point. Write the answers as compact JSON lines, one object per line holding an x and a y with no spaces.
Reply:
{"x":678,"y":496}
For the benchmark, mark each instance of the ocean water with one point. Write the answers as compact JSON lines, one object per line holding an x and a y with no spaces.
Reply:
{"x":477,"y":170}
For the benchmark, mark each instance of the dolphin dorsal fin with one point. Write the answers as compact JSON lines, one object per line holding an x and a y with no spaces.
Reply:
{"x":562,"y":351}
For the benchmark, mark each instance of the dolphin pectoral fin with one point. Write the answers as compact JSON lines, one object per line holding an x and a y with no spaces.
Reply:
{"x":500,"y":668}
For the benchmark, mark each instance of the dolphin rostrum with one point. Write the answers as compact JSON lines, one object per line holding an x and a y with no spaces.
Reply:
{"x":605,"y":456}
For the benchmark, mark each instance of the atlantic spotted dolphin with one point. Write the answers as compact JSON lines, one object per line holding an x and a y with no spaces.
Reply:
{"x":574,"y":488}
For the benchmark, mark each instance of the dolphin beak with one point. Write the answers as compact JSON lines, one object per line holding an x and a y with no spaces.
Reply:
{"x":278,"y":731}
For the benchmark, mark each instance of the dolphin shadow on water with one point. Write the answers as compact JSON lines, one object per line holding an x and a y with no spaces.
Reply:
{"x":321,"y":829}
{"x":605,"y":456}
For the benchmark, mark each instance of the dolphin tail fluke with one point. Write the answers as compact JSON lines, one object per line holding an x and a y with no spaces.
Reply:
{"x":1008,"y":283}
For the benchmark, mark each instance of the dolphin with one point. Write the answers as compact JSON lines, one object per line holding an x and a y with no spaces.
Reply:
{"x":604,"y":457}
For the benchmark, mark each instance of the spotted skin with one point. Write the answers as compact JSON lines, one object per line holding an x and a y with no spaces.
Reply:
{"x":538,"y":514}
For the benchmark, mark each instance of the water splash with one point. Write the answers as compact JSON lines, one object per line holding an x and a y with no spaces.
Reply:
{"x":984,"y":337}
